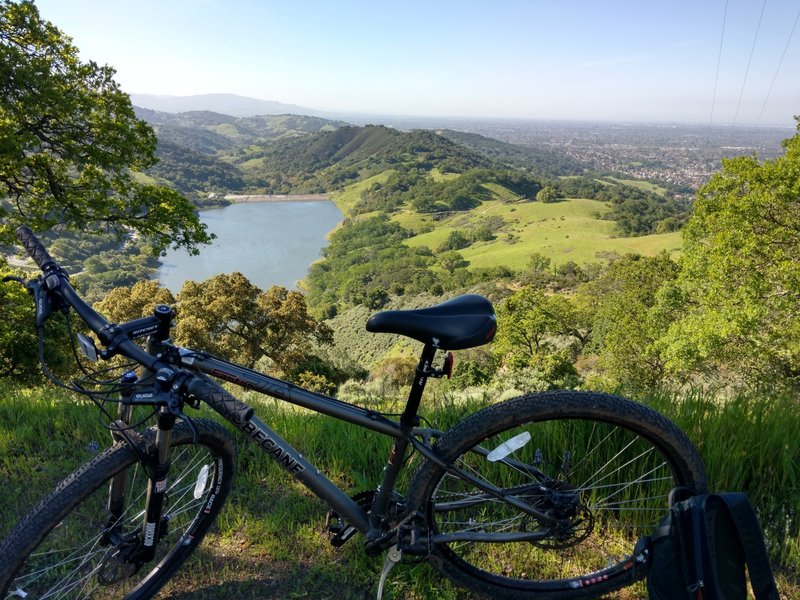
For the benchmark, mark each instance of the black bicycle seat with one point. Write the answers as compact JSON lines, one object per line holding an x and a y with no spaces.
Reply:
{"x":463,"y":322}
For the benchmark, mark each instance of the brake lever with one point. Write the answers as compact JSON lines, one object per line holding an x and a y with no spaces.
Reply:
{"x":39,"y":288}
{"x":44,"y":305}
{"x":174,"y":385}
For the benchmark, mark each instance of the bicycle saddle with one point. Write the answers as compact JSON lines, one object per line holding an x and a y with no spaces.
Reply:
{"x":463,"y":322}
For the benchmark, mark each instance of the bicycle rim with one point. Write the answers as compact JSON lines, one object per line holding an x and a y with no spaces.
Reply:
{"x":85,"y":554}
{"x":604,"y":474}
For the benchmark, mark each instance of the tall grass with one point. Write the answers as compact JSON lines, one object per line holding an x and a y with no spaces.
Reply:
{"x":270,"y":541}
{"x":750,"y":443}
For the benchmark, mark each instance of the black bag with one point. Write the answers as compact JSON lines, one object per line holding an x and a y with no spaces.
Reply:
{"x":700,"y":550}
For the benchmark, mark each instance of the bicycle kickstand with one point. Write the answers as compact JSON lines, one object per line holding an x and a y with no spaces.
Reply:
{"x":392,"y":558}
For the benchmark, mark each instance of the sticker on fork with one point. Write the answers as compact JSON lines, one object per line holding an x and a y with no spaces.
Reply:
{"x":509,"y":446}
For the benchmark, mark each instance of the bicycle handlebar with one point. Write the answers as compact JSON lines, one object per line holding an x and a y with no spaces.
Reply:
{"x":108,"y":334}
{"x":221,"y":401}
{"x":35,"y":248}
{"x":113,"y":336}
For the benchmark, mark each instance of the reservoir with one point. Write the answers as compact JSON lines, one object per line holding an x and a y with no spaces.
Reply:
{"x":271,"y":243}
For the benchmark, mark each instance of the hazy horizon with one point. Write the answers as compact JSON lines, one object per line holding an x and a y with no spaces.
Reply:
{"x":364,"y":117}
{"x":687,"y":62}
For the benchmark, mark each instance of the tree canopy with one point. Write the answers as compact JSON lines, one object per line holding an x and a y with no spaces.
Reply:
{"x":229,"y":316}
{"x":69,"y":140}
{"x":739,"y":288}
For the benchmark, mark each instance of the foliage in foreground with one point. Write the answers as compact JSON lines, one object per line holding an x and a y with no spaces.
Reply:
{"x":70,"y":139}
{"x":271,"y":535}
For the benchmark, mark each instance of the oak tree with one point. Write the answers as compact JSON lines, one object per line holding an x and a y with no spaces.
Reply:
{"x":739,"y":289}
{"x":70,"y":141}
{"x":127,"y":303}
{"x":229,"y":316}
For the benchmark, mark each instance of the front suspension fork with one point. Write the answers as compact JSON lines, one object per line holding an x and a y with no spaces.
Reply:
{"x":156,"y":464}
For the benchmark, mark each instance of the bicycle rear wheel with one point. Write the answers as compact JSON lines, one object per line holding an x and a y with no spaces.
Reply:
{"x":70,"y":547}
{"x":602,"y":466}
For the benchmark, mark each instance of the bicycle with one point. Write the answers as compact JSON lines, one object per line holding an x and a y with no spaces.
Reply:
{"x":543,"y":496}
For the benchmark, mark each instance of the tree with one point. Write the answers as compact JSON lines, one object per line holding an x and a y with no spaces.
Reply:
{"x":629,"y":318}
{"x":127,"y":303}
{"x":19,"y":358}
{"x":452,"y":260}
{"x":547,"y":194}
{"x":69,"y":140}
{"x":229,"y":316}
{"x":538,"y":264}
{"x":530,"y":321}
{"x":739,"y":289}
{"x":455,"y":241}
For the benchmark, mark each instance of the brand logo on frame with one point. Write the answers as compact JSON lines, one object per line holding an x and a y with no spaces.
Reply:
{"x":272,"y":448}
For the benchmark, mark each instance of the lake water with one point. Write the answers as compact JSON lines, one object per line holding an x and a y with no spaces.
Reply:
{"x":271,"y":243}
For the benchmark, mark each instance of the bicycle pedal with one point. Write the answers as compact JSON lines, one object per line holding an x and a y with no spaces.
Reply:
{"x":340,"y":538}
{"x":338,"y":527}
{"x":339,"y":530}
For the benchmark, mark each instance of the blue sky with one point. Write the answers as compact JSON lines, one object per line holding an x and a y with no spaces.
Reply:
{"x":641,"y":60}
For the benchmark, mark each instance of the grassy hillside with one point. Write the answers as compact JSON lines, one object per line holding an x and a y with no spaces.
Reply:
{"x":542,"y":161}
{"x":330,"y":160}
{"x":215,"y":133}
{"x":412,"y":230}
{"x":570,"y":230}
{"x":189,"y":171}
{"x":270,"y":539}
{"x":203,"y":151}
{"x":563,"y":231}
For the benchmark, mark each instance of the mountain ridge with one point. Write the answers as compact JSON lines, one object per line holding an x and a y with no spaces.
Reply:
{"x":228,"y":104}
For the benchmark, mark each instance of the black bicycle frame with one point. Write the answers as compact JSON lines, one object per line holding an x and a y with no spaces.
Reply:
{"x":288,"y":457}
{"x":405,"y":432}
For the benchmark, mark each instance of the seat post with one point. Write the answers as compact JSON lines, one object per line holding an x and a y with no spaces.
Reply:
{"x":409,"y":417}
{"x":408,"y":420}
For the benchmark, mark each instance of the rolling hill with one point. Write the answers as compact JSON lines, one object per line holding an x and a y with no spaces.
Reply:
{"x":427,"y":210}
{"x":331,"y":159}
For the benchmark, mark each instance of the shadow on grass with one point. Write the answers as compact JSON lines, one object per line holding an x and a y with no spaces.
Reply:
{"x":215,"y":574}
{"x":285,"y":587}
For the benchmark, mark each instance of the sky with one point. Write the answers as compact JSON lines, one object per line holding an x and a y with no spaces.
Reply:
{"x":695,"y":61}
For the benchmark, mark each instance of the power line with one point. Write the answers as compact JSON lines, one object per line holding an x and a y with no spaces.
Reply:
{"x":749,"y":60}
{"x":780,"y":62}
{"x":719,"y":60}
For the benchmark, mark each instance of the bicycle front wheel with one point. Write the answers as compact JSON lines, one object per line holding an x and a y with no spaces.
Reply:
{"x":599,"y":469}
{"x":70,"y":546}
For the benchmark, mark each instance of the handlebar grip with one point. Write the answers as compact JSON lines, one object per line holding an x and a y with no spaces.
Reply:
{"x":221,"y":401}
{"x":35,"y":248}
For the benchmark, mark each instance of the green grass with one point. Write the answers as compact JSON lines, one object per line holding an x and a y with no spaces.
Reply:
{"x":228,"y":130}
{"x":143,"y":178}
{"x":645,"y":186}
{"x":438,"y":176}
{"x":251,"y":164}
{"x":270,"y":540}
{"x":349,"y":197}
{"x":563,"y":231}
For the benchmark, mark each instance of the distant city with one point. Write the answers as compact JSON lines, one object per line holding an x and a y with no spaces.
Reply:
{"x":683,"y":156}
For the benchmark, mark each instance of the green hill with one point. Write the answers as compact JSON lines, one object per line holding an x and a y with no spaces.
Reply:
{"x":329,"y":160}
{"x":541,"y":161}
{"x":571,"y":230}
{"x":190,"y":172}
{"x":215,"y":133}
